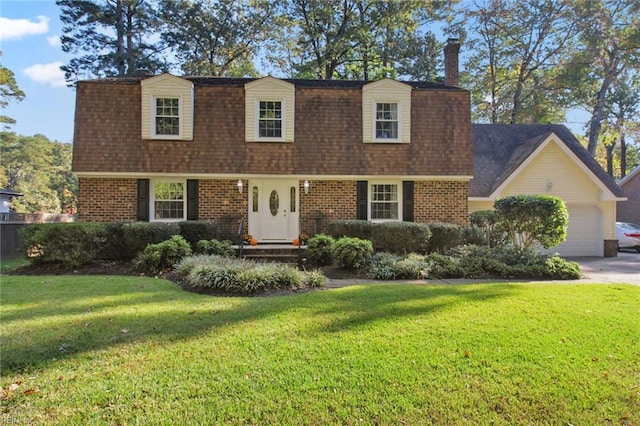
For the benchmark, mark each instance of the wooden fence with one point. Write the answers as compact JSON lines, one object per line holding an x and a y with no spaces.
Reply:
{"x":11,"y":223}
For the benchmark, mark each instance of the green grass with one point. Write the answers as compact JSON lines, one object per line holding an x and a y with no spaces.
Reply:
{"x":9,"y":264}
{"x":129,"y":350}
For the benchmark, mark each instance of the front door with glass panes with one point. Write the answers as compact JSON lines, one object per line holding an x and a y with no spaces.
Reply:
{"x":273,"y":210}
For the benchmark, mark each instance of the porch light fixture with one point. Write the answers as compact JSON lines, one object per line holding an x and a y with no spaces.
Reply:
{"x":306,"y":186}
{"x":239,"y":185}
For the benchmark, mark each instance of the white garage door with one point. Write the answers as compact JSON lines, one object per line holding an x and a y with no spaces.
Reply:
{"x":584,"y":234}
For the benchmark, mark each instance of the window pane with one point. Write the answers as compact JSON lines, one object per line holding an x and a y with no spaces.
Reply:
{"x":292,"y":199}
{"x":384,"y":201}
{"x":270,"y":119}
{"x":169,"y":200}
{"x":167,"y":116}
{"x":386,"y":121}
{"x":254,"y":196}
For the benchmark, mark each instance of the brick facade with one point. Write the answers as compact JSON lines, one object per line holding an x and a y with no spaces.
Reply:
{"x":107,"y":200}
{"x":328,"y":142}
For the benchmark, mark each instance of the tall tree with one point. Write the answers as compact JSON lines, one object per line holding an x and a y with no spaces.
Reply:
{"x":357,"y":39}
{"x":216,"y":37}
{"x":516,"y":48}
{"x":609,"y":43}
{"x":41,"y":170}
{"x":113,"y":37}
{"x":9,"y":91}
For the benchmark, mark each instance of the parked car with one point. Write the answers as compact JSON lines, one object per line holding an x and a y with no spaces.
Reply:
{"x":628,"y":235}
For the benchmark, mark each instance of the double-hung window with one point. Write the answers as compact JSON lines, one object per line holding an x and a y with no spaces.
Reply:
{"x":386,"y":120}
{"x":167,"y":117}
{"x":270,"y":119}
{"x":168,"y":200}
{"x":384,"y":202}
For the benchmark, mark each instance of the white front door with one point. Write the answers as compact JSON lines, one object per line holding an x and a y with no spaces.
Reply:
{"x":273,"y":210}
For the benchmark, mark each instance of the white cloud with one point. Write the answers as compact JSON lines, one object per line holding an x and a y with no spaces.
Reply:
{"x":13,"y":29}
{"x":54,"y":41}
{"x":50,"y":74}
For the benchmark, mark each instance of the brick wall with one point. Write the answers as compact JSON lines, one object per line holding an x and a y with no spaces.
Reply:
{"x":441,"y":201}
{"x":219,"y":201}
{"x":107,"y":200}
{"x":327,"y":200}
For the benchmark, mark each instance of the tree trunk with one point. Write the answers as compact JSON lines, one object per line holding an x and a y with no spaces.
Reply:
{"x":120,"y":30}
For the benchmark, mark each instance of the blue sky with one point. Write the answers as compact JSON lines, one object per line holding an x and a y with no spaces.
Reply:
{"x":30,"y":42}
{"x":30,"y":33}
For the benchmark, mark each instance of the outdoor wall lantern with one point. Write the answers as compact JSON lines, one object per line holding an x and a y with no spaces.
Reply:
{"x":239,"y":185}
{"x":306,"y":186}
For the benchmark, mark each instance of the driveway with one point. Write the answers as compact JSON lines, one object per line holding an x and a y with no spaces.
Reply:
{"x":625,"y":268}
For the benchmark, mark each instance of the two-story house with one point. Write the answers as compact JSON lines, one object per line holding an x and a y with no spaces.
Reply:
{"x":287,"y":156}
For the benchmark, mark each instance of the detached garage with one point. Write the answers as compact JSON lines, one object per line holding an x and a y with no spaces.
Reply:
{"x":547,"y":160}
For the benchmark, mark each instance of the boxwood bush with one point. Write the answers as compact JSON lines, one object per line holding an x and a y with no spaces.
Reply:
{"x":162,"y":256}
{"x":350,"y":228}
{"x":319,"y":250}
{"x":352,"y":253}
{"x":137,"y":235}
{"x":443,"y":237}
{"x":400,"y":237}
{"x":213,"y":246}
{"x":68,"y":244}
{"x":197,"y":230}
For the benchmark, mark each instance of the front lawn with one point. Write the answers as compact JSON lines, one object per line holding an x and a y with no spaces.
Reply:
{"x":132,"y":350}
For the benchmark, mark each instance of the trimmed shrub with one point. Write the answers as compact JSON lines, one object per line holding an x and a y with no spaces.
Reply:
{"x":527,"y":219}
{"x":562,"y":269}
{"x":137,"y":235}
{"x":195,"y":230}
{"x":350,"y":228}
{"x":114,"y":246}
{"x":215,"y":247}
{"x":319,"y":250}
{"x":443,"y":237}
{"x":352,"y":253}
{"x":68,"y":244}
{"x":400,"y":237}
{"x":473,"y":235}
{"x":487,"y":220}
{"x":162,"y":256}
{"x":386,"y":266}
{"x":382,"y":266}
{"x":481,"y":267}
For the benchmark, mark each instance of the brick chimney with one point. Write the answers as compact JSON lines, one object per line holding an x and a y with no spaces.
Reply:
{"x":451,"y":50}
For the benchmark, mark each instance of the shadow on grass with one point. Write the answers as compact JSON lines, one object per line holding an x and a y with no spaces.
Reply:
{"x":61,"y":323}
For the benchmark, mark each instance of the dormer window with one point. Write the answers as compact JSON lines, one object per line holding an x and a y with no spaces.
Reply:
{"x":386,"y":120}
{"x":269,"y":110}
{"x":167,"y":117}
{"x":167,"y":108}
{"x":386,"y":112}
{"x":270,"y":119}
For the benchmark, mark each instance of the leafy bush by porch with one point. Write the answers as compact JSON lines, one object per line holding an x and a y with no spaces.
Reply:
{"x":162,"y":256}
{"x":400,"y":237}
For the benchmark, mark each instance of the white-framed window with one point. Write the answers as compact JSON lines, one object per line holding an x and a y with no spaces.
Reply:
{"x":166,"y":113}
{"x":384,"y":201}
{"x":168,"y":200}
{"x":386,"y":121}
{"x":270,"y":119}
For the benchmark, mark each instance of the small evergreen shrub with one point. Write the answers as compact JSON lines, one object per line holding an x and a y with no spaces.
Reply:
{"x":487,"y":220}
{"x":67,"y":244}
{"x":319,"y":250}
{"x":137,"y":235}
{"x":350,"y":228}
{"x":443,"y":237}
{"x":215,"y":247}
{"x":114,"y":246}
{"x":443,"y":266}
{"x":562,"y":269}
{"x":195,"y":230}
{"x":352,"y":253}
{"x":314,"y":279}
{"x":400,"y":237}
{"x":481,"y":267}
{"x":162,"y":256}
